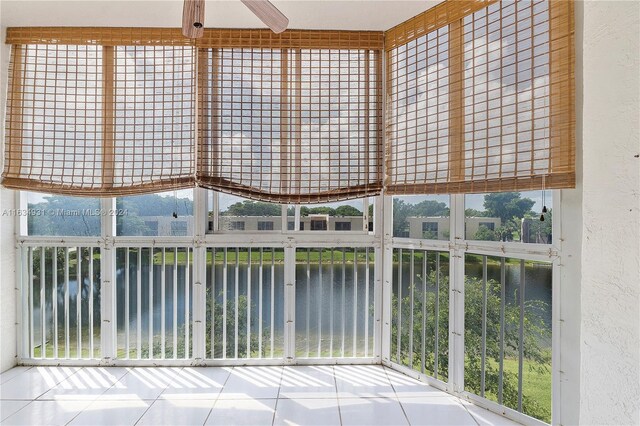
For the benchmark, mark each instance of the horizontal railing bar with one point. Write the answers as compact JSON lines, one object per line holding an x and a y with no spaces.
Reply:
{"x":202,"y":363}
{"x":438,"y":384}
{"x":501,"y":409}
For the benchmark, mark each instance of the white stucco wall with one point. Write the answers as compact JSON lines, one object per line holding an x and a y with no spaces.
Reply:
{"x":610,"y":285}
{"x":7,"y":242}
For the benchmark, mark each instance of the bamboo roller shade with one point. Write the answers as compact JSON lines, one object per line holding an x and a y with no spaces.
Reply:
{"x":480,"y":98}
{"x":277,"y":124}
{"x":212,"y":38}
{"x":294,"y":125}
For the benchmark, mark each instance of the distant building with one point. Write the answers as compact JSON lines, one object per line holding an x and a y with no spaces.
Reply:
{"x":314,"y":222}
{"x":437,"y":228}
{"x":167,"y":226}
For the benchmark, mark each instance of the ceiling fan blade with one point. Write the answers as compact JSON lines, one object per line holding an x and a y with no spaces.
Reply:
{"x":193,"y":18}
{"x":268,"y":14}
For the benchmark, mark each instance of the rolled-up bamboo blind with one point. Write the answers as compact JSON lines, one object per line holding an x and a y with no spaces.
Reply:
{"x":112,"y":111}
{"x":481,"y":98}
{"x":292,"y":125}
{"x":100,"y":120}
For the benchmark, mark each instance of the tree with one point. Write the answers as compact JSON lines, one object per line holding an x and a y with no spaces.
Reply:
{"x":401,"y":212}
{"x":537,"y":356}
{"x":485,"y":234}
{"x":507,"y":205}
{"x":430,"y":208}
{"x":347,"y":210}
{"x":474,"y":213}
{"x":252,"y":208}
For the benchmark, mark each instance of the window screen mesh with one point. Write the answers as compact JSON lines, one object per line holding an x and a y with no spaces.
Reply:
{"x":90,"y":120}
{"x":490,"y":107}
{"x":293,"y":117}
{"x":154,"y":126}
{"x":54,"y":126}
{"x":291,"y":125}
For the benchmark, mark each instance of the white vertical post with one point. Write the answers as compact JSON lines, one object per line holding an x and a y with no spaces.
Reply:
{"x":107,"y":276}
{"x":385,"y":215}
{"x":21,"y":287}
{"x":557,"y":316}
{"x":139,"y":304}
{"x":289,"y":303}
{"x":456,"y":296}
{"x":199,"y":273}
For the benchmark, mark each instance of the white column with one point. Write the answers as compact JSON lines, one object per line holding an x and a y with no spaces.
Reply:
{"x":108,"y":280}
{"x":609,"y":358}
{"x":456,"y":295}
{"x":200,"y":218}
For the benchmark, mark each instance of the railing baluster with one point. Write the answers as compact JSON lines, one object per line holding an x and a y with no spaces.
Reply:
{"x":355,"y":303}
{"x":249,"y":304}
{"x":224,"y":304}
{"x":43,"y":307}
{"x":175,"y":302}
{"x":236,"y":291}
{"x":366,"y":303}
{"x":187,"y":298}
{"x":424,"y":312}
{"x":54,"y":300}
{"x":521,"y":334}
{"x":319,"y":303}
{"x":308,"y":298}
{"x":331,"y":312}
{"x":79,"y":301}
{"x":437,"y":318}
{"x":213,"y":301}
{"x":399,"y":315}
{"x":163,"y":305}
{"x":273,"y":300}
{"x":412,"y":278}
{"x":151,"y":310}
{"x":503,"y":284}
{"x":126,"y":304}
{"x":91,"y":352}
{"x":260,"y":295}
{"x":139,"y":303}
{"x":483,"y":342}
{"x":30,"y":290}
{"x":66,"y":303}
{"x":344,"y":317}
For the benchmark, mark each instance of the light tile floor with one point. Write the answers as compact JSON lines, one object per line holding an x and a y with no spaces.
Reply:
{"x":305,"y":395}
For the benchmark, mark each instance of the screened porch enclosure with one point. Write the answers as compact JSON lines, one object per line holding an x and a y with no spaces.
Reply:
{"x":464,"y":307}
{"x":312,"y":197}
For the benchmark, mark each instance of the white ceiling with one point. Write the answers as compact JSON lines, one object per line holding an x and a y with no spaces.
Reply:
{"x":302,"y":14}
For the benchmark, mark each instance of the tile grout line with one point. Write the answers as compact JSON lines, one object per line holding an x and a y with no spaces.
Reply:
{"x":396,"y":394}
{"x":215,"y":401}
{"x":8,"y":380}
{"x":335,"y":384}
{"x":98,"y":396}
{"x":275,"y":408}
{"x":468,"y":412}
{"x":154,"y":401}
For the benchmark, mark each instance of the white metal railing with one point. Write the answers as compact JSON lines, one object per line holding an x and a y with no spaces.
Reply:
{"x":61,"y":294}
{"x":508,"y":332}
{"x":244,"y":303}
{"x":153,"y":302}
{"x":334,"y":301}
{"x":288,"y":297}
{"x":420,"y":311}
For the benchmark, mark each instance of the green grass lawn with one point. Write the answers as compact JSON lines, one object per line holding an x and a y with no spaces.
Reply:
{"x":268,"y":256}
{"x":535,"y":385}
